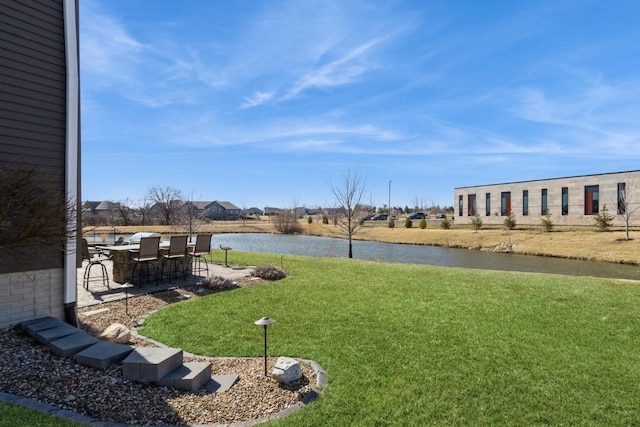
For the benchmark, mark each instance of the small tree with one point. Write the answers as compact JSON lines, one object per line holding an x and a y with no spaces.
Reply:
{"x":546,"y":223}
{"x":476,"y":222}
{"x":510,"y":222}
{"x":603,"y":219}
{"x":423,"y":223}
{"x":391,"y":223}
{"x":628,"y":203}
{"x":408,"y":223}
{"x":349,"y":199}
{"x":445,"y":224}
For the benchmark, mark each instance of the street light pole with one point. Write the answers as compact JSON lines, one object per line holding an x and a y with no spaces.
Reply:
{"x":390,"y":200}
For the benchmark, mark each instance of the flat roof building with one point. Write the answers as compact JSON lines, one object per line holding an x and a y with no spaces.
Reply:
{"x":573,"y":200}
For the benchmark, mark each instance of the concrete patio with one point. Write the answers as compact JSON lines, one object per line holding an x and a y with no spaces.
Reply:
{"x":98,"y":293}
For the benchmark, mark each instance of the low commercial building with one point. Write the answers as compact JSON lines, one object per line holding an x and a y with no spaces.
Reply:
{"x":573,"y":200}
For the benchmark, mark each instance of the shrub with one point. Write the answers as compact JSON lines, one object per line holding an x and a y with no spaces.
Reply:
{"x":391,"y":223}
{"x":547,"y":224}
{"x":476,"y":222}
{"x":423,"y":223}
{"x":287,"y":223}
{"x":269,"y":272}
{"x":325,"y":219}
{"x":408,"y":223}
{"x":218,"y":282}
{"x":603,"y":220}
{"x":445,"y":224}
{"x":310,"y":219}
{"x":510,"y":222}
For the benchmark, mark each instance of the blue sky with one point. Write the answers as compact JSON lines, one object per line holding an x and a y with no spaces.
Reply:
{"x":265,"y":103}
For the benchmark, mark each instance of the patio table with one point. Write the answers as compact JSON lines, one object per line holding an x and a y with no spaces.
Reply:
{"x":123,"y":265}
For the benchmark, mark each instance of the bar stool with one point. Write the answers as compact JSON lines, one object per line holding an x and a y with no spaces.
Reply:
{"x":202,"y":248}
{"x":176,"y":254}
{"x":98,"y":259}
{"x":149,"y":253}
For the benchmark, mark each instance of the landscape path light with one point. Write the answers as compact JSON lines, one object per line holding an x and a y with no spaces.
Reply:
{"x":126,"y":287}
{"x":265,"y":321}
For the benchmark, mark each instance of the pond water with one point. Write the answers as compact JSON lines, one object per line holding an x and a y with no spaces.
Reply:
{"x":420,"y":254}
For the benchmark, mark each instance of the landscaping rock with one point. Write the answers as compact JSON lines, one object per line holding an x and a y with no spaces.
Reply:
{"x":286,"y":370}
{"x":116,"y":333}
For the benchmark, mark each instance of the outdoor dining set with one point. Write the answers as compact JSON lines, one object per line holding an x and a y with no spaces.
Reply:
{"x":149,"y":258}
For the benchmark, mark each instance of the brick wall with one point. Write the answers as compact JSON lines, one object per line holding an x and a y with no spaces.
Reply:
{"x":32,"y":294}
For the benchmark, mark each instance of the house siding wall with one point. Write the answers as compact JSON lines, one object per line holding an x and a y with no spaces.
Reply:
{"x":608,"y":195}
{"x":33,"y":136}
{"x":28,"y":295}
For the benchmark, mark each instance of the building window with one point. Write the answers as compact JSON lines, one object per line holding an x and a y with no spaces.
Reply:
{"x":471,"y":204}
{"x":460,"y":205}
{"x":505,"y":203}
{"x":525,"y":202}
{"x":487,"y":204}
{"x":543,"y":202}
{"x":591,"y":199}
{"x":622,"y":198}
{"x":565,"y":200}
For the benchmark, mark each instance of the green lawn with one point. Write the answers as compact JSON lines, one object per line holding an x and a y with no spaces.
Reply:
{"x":416,"y":345}
{"x":14,"y":415}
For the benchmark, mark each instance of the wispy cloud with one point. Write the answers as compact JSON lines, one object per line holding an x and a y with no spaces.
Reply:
{"x":335,"y":73}
{"x":256,"y":99}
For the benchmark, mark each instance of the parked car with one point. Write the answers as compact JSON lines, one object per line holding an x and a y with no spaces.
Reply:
{"x":366,"y":217}
{"x":441,"y":216}
{"x":417,"y":215}
{"x":379,"y":217}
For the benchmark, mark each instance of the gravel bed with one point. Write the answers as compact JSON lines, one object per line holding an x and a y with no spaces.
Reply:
{"x":28,"y":369}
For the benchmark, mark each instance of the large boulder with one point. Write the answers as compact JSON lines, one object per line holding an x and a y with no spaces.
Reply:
{"x":287,"y":370}
{"x":117,"y":333}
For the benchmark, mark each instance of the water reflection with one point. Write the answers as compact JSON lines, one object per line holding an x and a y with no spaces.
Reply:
{"x":419,"y":254}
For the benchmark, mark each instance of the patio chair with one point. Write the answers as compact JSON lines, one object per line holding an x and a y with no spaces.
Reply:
{"x":93,"y":259}
{"x":177,"y":253}
{"x":202,"y":248}
{"x":148,"y":253}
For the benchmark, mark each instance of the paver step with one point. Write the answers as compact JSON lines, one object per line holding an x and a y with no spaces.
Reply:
{"x":150,"y":364}
{"x":190,"y":376}
{"x":103,"y":354}
{"x":71,"y":344}
{"x":32,"y":327}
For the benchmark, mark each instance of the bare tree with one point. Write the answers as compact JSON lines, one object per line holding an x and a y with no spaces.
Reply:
{"x":348,"y":197}
{"x":123,"y":211}
{"x":191,"y":216}
{"x":167,"y":201}
{"x":628,"y":203}
{"x":144,"y":211}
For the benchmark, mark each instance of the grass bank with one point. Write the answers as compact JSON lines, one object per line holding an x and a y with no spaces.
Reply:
{"x":418,"y":345}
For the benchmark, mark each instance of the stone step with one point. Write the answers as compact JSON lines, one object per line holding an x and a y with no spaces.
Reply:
{"x":71,"y":344}
{"x":150,"y":364}
{"x":103,"y":354}
{"x":32,"y":327}
{"x":190,"y":376}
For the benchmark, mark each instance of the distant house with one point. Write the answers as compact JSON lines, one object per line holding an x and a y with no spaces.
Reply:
{"x":218,"y":210}
{"x":271,"y":211}
{"x":255,"y":211}
{"x":40,"y":130}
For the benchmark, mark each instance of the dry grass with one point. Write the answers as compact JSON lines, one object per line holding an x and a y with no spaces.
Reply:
{"x":565,"y":242}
